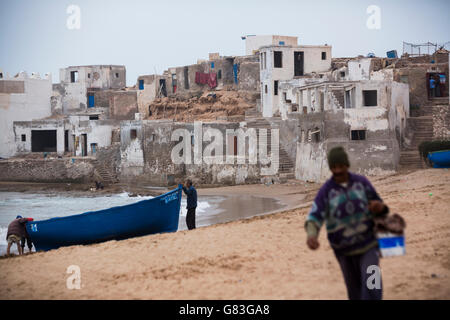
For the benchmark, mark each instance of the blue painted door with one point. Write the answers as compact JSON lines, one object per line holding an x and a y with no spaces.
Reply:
{"x":91,"y":101}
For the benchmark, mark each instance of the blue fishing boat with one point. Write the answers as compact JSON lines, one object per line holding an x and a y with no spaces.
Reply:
{"x":156,"y":215}
{"x":440,"y":159}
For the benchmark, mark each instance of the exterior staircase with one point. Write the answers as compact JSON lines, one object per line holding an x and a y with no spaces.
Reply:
{"x":338,"y":98}
{"x":286,"y":169}
{"x":105,"y":172}
{"x":421,"y":124}
{"x":410,"y":159}
{"x":439,"y":101}
{"x":252,"y":113}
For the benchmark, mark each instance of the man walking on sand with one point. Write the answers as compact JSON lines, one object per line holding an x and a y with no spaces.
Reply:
{"x":191,"y":194}
{"x":16,"y":230}
{"x":347,"y":203}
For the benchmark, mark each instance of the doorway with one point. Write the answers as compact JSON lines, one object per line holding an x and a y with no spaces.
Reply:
{"x":174,"y":82}
{"x":93,"y":148}
{"x":43,"y":140}
{"x":91,"y":100}
{"x":66,"y":140}
{"x":299,"y":63}
{"x":186,"y":78}
{"x":75,"y":145}
{"x":84,"y":144}
{"x":162,"y":87}
{"x":437,"y":85}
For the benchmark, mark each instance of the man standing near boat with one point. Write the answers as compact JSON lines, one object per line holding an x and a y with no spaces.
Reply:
{"x":191,"y":194}
{"x":347,"y":203}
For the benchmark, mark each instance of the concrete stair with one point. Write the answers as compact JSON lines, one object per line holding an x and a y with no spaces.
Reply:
{"x":410,"y":160}
{"x":286,"y":168}
{"x":338,"y":98}
{"x":439,"y":101}
{"x":427,"y":110}
{"x":339,"y":95}
{"x":252,"y":113}
{"x":422,"y":131}
{"x":105,"y":172}
{"x":422,"y":111}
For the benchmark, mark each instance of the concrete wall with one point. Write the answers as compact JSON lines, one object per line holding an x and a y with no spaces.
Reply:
{"x":378,"y":154}
{"x":74,"y":98}
{"x":253,"y":43}
{"x":47,"y":170}
{"x":97,"y":76}
{"x":12,"y":86}
{"x":34,"y":103}
{"x":123,"y":105}
{"x":151,"y":90}
{"x":148,"y":157}
{"x":416,"y":77}
{"x":248,"y":73}
{"x":359,"y":69}
{"x":101,"y":98}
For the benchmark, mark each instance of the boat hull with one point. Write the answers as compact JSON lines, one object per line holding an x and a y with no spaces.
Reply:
{"x":440,"y":159}
{"x":156,"y":215}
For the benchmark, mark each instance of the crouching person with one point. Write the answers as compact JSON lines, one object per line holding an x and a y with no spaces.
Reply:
{"x":347,"y":204}
{"x":16,"y":231}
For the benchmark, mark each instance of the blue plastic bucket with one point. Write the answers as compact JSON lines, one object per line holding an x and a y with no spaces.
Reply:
{"x":391,"y":244}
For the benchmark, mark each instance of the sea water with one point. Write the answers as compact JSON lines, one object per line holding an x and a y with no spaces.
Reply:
{"x":46,"y":206}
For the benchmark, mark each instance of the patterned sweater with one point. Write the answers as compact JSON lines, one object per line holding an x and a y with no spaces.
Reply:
{"x":345,"y":210}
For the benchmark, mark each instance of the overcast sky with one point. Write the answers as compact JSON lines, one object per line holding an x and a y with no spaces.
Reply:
{"x":150,"y":36}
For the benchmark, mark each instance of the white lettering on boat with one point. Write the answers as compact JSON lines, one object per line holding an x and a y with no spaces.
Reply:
{"x":170,"y":197}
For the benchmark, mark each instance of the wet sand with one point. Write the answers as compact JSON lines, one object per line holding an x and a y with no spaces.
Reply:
{"x":231,"y":208}
{"x":264,"y":257}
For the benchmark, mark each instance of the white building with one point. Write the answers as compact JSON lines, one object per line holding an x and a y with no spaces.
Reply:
{"x":304,"y":97}
{"x":22,"y":98}
{"x":79,"y":84}
{"x":367,"y":117}
{"x":278,"y":63}
{"x":78,"y":135}
{"x":150,"y":87}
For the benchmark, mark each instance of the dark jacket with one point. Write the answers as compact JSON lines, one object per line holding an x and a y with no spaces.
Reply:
{"x":17,"y":227}
{"x":191,"y":197}
{"x":345,"y":211}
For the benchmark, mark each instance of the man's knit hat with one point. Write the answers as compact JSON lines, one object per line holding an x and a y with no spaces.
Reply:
{"x":337,"y":156}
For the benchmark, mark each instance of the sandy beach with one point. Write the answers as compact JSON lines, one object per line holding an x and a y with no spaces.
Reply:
{"x":264,"y":257}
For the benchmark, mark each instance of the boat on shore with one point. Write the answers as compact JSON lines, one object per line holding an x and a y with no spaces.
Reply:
{"x":440,"y":159}
{"x":156,"y":215}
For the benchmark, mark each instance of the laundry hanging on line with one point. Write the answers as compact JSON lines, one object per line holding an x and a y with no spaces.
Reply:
{"x":206,"y":78}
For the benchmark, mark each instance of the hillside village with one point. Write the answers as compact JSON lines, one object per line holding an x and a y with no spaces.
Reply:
{"x":92,"y":127}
